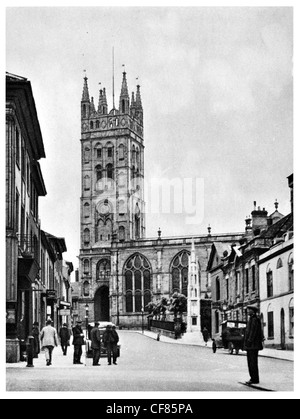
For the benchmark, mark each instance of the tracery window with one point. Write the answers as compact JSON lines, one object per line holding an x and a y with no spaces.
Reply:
{"x":180,"y":273}
{"x":137,"y":275}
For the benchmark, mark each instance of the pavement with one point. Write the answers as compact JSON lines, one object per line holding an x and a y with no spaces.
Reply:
{"x":197,"y":340}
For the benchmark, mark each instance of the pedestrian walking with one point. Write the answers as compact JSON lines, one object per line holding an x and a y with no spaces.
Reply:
{"x":49,"y":340}
{"x":108,"y":341}
{"x":253,"y":343}
{"x":96,"y":344}
{"x":205,"y":335}
{"x":115,"y":344}
{"x":64,"y":335}
{"x":78,"y":341}
{"x":214,"y":346}
{"x":36,"y":341}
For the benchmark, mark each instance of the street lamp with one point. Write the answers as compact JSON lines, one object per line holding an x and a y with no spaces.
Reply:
{"x":86,"y":319}
{"x":142,"y":319}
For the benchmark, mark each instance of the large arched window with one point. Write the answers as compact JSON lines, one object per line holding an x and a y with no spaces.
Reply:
{"x":180,"y":273}
{"x":291,"y":271}
{"x":137,"y":276}
{"x":103,"y":270}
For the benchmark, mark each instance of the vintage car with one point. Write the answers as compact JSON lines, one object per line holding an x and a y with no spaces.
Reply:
{"x":233,"y":334}
{"x":102,"y":328}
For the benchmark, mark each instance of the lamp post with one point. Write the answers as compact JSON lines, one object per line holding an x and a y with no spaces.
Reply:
{"x":225,"y":308}
{"x":142,"y":319}
{"x":86,"y":319}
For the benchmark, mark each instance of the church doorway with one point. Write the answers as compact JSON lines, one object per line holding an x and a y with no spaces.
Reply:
{"x":102,"y":304}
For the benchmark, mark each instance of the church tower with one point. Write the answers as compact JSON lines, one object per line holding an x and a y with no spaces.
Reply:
{"x":112,"y":197}
{"x":112,"y":200}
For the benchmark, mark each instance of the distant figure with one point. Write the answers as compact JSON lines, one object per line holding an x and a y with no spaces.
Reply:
{"x":96,"y":344}
{"x":36,"y":342}
{"x":78,"y":341}
{"x":205,"y":335}
{"x":65,"y":336}
{"x":115,"y":344}
{"x":49,"y":341}
{"x":253,"y":343}
{"x":109,"y":341}
{"x":214,"y":346}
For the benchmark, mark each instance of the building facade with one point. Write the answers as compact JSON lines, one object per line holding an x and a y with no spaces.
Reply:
{"x":276,"y":272}
{"x":237,"y":274}
{"x":120,"y":270}
{"x":31,"y":258}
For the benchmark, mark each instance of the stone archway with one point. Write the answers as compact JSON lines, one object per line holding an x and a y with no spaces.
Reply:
{"x":101,"y":305}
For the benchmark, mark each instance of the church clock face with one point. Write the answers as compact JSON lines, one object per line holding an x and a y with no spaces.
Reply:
{"x":103,"y":208}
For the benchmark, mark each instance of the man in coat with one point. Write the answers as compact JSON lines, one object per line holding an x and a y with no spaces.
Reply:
{"x":49,"y":341}
{"x":115,"y":344}
{"x":253,"y":343}
{"x":64,"y":335}
{"x":96,"y":344}
{"x":78,"y":341}
{"x":108,"y":342}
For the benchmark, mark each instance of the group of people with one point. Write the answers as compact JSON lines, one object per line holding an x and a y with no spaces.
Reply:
{"x":49,"y":340}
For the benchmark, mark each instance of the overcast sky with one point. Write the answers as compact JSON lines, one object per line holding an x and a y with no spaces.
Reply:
{"x":217,"y":92}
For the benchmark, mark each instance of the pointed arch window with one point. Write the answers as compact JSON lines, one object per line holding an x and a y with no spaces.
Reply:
{"x":121,"y":152}
{"x":86,"y":183}
{"x":122,"y":234}
{"x":103,"y":270}
{"x":86,"y":236}
{"x":97,"y":124}
{"x":91,"y":125}
{"x":86,"y":210}
{"x":279,"y":264}
{"x":180,"y":272}
{"x":86,"y":266}
{"x":269,"y":282}
{"x":86,"y":289}
{"x":138,"y":287}
{"x":98,"y":170}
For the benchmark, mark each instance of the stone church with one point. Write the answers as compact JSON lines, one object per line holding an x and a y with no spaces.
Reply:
{"x":120,"y":269}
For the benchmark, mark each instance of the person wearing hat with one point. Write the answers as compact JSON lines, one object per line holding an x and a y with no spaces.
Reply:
{"x":36,"y":342}
{"x":78,"y":341}
{"x":109,"y":342}
{"x":49,"y":341}
{"x":253,"y":343}
{"x":96,"y":344}
{"x":64,"y":335}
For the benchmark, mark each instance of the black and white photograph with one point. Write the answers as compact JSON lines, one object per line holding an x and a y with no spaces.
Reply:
{"x":148,"y":175}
